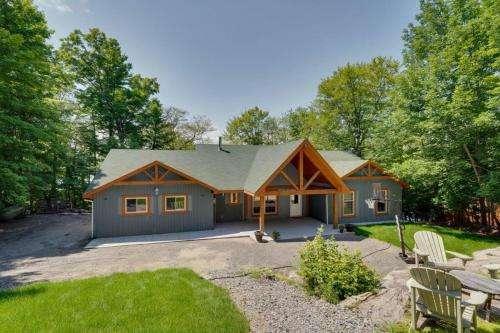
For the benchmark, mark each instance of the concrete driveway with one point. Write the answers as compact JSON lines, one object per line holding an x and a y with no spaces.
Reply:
{"x":51,"y":247}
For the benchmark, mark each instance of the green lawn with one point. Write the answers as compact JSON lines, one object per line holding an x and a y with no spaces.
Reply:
{"x":454,"y":240}
{"x":168,"y":300}
{"x":482,"y":327}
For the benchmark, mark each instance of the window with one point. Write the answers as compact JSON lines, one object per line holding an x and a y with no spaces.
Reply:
{"x":349,"y":204}
{"x":135,"y":205}
{"x":381,"y":205}
{"x":271,"y":204}
{"x":174,"y":203}
{"x":234,"y":198}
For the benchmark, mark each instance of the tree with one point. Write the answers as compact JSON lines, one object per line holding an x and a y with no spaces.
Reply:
{"x":352,"y":100}
{"x":106,"y":88}
{"x":443,"y":136}
{"x":299,"y":123}
{"x":29,"y":123}
{"x":196,"y":130}
{"x":157,"y":132}
{"x":252,"y":127}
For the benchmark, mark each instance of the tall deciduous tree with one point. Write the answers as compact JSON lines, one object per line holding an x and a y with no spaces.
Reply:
{"x":254,"y":127}
{"x":299,"y":123}
{"x":29,"y":123}
{"x":106,"y":88}
{"x":352,"y":100}
{"x":444,"y":135}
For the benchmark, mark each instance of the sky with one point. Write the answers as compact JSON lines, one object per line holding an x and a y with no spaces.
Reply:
{"x":220,"y":57}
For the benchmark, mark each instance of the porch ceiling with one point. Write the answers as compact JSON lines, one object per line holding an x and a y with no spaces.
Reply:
{"x":290,"y":190}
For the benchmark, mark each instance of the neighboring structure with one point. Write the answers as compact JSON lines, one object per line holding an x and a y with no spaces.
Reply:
{"x":161,"y":191}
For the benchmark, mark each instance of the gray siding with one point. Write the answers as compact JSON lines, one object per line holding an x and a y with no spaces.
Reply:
{"x":364,"y":191}
{"x":109,"y":221}
{"x":225,"y":212}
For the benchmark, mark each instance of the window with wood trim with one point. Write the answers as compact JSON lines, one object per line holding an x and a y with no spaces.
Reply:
{"x":270,"y":205}
{"x":349,"y":204}
{"x":382,"y":205}
{"x":175,"y":203}
{"x":234,"y":198}
{"x":135,"y":205}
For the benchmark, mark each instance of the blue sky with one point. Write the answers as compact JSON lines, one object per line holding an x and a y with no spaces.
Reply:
{"x":218,"y":58}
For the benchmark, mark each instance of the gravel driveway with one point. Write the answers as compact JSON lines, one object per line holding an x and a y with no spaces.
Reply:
{"x":50,"y":247}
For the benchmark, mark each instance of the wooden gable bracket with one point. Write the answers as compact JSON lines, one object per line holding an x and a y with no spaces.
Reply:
{"x":316,"y":174}
{"x":289,"y":180}
{"x":149,"y":175}
{"x":164,"y":174}
{"x":371,"y":166}
{"x":323,"y":168}
{"x":155,"y":179}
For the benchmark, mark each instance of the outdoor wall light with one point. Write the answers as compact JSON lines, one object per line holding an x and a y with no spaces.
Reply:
{"x":157,"y":190}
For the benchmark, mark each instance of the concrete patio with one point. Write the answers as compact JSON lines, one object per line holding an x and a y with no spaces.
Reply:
{"x":289,"y":229}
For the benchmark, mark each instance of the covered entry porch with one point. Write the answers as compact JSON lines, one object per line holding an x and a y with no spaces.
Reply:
{"x":289,"y":229}
{"x":304,"y":174}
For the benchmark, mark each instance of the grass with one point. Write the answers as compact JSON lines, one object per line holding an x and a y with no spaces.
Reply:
{"x":404,"y":327}
{"x":168,"y":300}
{"x":268,"y":273}
{"x":454,"y":240}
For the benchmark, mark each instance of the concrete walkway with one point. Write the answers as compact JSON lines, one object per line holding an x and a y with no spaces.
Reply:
{"x":289,"y":229}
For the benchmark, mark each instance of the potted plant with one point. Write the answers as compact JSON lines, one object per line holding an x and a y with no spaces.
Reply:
{"x":341,"y":228}
{"x":349,"y":227}
{"x":275,"y":235}
{"x":258,"y":236}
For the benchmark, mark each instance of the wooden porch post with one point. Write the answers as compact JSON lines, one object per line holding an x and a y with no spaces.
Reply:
{"x":262,"y":210}
{"x":335,"y":211}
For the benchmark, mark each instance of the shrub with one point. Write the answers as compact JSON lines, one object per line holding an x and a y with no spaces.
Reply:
{"x":276,"y":235}
{"x":333,"y":273}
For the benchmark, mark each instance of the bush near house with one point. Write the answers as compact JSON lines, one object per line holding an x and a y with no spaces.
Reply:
{"x":167,"y":300}
{"x":333,"y":273}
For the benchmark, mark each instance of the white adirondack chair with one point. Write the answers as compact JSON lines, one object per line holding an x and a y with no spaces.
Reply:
{"x":430,"y":248}
{"x":440,"y":296}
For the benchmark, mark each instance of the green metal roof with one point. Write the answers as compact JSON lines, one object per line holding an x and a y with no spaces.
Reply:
{"x":237,"y":167}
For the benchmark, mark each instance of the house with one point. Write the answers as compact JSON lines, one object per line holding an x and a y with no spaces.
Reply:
{"x":162,"y":191}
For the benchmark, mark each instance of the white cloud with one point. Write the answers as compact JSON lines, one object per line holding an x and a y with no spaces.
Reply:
{"x":59,"y":5}
{"x":213,"y":137}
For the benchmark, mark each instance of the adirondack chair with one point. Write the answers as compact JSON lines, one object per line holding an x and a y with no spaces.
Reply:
{"x":430,"y":248}
{"x":440,"y":296}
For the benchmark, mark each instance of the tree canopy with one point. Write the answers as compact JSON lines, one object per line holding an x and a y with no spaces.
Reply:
{"x":352,"y":100}
{"x":432,"y":120}
{"x":442,"y":134}
{"x":29,"y":117}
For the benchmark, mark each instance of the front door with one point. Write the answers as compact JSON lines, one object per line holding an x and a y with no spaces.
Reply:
{"x":295,"y":205}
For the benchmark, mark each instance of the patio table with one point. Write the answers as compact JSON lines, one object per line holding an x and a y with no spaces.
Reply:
{"x":477,"y":282}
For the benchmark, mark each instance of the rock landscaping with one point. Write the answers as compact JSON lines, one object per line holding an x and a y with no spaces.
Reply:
{"x":276,"y":306}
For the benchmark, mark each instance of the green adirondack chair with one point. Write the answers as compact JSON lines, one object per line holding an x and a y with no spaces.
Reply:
{"x":429,"y":247}
{"x":440,"y":296}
